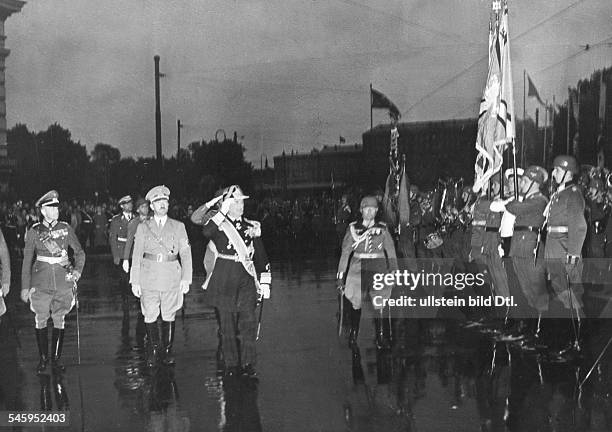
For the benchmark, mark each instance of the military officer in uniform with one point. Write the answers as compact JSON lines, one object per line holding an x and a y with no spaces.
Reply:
{"x":5,"y":261}
{"x":529,"y":218}
{"x":157,"y":276}
{"x":365,"y":239}
{"x":238,"y":272}
{"x":142,"y":210}
{"x":566,"y":231}
{"x":117,"y":238}
{"x":48,"y":277}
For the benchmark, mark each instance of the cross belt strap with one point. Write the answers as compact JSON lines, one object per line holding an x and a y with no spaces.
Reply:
{"x":229,"y":257}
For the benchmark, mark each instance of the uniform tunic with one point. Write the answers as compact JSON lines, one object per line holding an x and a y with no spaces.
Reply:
{"x":117,"y":236}
{"x":158,"y":276}
{"x":361,"y":243}
{"x":50,"y":293}
{"x":231,"y":288}
{"x":565,"y":213}
{"x":529,"y":270}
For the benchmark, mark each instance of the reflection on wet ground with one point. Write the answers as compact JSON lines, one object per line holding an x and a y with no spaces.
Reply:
{"x":437,"y":376}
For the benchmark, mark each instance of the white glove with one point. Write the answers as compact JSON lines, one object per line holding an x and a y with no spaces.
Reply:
{"x":497,"y":206}
{"x":225,"y":205}
{"x":136,"y":290}
{"x":214,"y":201}
{"x":25,"y":295}
{"x":500,"y":249}
{"x":126,"y":266}
{"x":264,"y":291}
{"x":184,"y":287}
{"x":5,"y":289}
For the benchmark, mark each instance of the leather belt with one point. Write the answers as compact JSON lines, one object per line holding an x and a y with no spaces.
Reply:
{"x":527,"y":228}
{"x":121,"y":239}
{"x":52,"y":260}
{"x":557,"y":229}
{"x":479,"y":223}
{"x":368,"y":255}
{"x":491,"y":229}
{"x":229,"y":257}
{"x":160,"y":257}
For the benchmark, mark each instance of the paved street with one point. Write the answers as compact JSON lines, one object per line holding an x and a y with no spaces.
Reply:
{"x":437,"y":377}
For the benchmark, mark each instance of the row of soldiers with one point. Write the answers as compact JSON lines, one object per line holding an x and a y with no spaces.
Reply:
{"x":527,"y":247}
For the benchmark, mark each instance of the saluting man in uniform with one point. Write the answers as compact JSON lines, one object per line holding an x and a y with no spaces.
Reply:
{"x":117,"y":235}
{"x":238,"y":272}
{"x":5,"y":260}
{"x":364,"y":240}
{"x":566,"y":231}
{"x":158,"y":278}
{"x":48,"y":277}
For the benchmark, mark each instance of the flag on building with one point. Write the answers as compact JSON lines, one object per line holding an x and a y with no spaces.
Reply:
{"x":496,"y":127}
{"x":388,"y":204}
{"x":342,"y":140}
{"x":575,"y":104}
{"x":379,"y":100}
{"x":533,"y":91}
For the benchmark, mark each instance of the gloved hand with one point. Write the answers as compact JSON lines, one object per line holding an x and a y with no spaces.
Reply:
{"x":500,"y":250}
{"x":214,"y":201}
{"x":136,"y":290}
{"x":5,"y":289}
{"x":25,"y":295}
{"x":184,"y":287}
{"x":225,"y":205}
{"x":340,"y":285}
{"x":126,"y":266}
{"x":264,"y":291}
{"x":75,"y":275}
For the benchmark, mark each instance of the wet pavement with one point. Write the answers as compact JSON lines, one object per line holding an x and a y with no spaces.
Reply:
{"x":437,"y":377}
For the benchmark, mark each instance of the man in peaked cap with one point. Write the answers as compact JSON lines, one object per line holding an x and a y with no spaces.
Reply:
{"x":142,"y":214}
{"x":566,"y":230}
{"x":48,"y":277}
{"x":238,"y":273}
{"x":157,"y":276}
{"x":117,"y":238}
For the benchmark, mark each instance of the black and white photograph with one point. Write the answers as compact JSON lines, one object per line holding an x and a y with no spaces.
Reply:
{"x":306,"y":215}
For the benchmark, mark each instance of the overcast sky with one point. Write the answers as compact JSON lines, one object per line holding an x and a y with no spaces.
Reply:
{"x":285,"y":74}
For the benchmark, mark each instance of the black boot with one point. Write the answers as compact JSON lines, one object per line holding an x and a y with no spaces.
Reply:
{"x":42,"y":340}
{"x":357,"y":370}
{"x":354,"y":331}
{"x":46,"y":403}
{"x":153,"y":338}
{"x":61,"y":396}
{"x":382,"y":333}
{"x":167,"y":340}
{"x":57,"y":343}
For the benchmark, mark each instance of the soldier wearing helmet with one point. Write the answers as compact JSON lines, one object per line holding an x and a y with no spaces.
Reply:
{"x":527,"y":257}
{"x":597,"y":216}
{"x":365,"y":239}
{"x":566,"y":231}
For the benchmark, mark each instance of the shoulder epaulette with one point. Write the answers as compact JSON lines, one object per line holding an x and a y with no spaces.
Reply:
{"x":36,"y":225}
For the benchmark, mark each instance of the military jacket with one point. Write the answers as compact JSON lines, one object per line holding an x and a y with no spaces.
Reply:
{"x":131,"y":233}
{"x":117,"y":235}
{"x":485,"y":238}
{"x":529,"y":213}
{"x":43,"y":240}
{"x":566,"y":209}
{"x":150,"y":242}
{"x":361,"y":240}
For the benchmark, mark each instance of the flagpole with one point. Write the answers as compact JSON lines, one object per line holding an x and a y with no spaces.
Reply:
{"x":371,"y":120}
{"x":545,"y":129}
{"x":524,"y":117}
{"x":569,"y":100}
{"x":552,"y":132}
